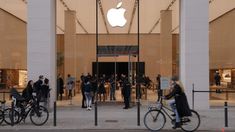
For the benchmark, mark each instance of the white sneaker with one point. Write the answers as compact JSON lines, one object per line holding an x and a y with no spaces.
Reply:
{"x":89,"y":108}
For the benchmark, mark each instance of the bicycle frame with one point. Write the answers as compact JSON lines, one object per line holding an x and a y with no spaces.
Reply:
{"x":24,"y":116}
{"x":164,"y":109}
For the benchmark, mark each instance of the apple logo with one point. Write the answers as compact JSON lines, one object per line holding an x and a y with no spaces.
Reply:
{"x":116,"y":16}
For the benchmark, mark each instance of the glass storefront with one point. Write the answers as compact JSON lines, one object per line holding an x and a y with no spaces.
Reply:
{"x":76,"y":43}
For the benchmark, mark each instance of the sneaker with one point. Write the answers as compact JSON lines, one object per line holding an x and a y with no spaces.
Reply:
{"x":89,"y":108}
{"x":177,"y":125}
{"x":84,"y":107}
{"x":125,"y":107}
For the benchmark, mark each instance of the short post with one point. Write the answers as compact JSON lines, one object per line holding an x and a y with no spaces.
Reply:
{"x":12,"y":113}
{"x":54,"y":121}
{"x":225,"y":114}
{"x":193,"y":97}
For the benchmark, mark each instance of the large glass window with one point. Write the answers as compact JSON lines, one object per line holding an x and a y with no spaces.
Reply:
{"x":13,"y":46}
{"x":221,"y":42}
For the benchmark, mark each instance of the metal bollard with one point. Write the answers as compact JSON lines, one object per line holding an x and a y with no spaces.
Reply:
{"x":12,"y":113}
{"x":193,"y":97}
{"x":55,"y":113}
{"x":225,"y":114}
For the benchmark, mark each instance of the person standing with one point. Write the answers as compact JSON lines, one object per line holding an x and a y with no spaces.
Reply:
{"x":159,"y":90}
{"x":70,"y":85}
{"x":82,"y":78}
{"x":112,"y":88}
{"x":126,"y":90}
{"x":94,"y":88}
{"x":28,"y":91}
{"x":37,"y":88}
{"x":45,"y":92}
{"x":87,"y":90}
{"x":60,"y":87}
{"x":217,"y":78}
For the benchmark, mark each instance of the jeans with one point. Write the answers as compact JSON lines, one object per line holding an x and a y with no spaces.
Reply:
{"x":88,"y":99}
{"x":173,"y":106}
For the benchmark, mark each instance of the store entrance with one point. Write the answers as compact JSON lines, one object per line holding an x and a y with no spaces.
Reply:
{"x":108,"y":68}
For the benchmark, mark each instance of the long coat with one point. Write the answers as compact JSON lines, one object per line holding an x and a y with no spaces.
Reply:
{"x":180,"y":100}
{"x":126,"y":90}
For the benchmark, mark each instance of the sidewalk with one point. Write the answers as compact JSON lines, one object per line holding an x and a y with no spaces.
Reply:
{"x":112,"y":116}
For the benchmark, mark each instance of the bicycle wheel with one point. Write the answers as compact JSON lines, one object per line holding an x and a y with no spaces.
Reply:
{"x":7,"y":114}
{"x":1,"y":116}
{"x":191,"y":123}
{"x":39,"y":117}
{"x":154,"y":120}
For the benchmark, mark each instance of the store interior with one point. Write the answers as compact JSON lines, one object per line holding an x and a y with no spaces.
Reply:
{"x":13,"y":49}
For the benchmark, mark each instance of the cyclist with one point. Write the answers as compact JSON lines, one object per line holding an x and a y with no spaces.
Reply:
{"x":180,"y":104}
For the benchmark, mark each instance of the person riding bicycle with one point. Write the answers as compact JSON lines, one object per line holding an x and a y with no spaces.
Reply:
{"x":180,"y":104}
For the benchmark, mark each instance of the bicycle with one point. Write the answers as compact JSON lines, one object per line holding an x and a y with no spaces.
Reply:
{"x":38,"y":114}
{"x":6,"y":114}
{"x":155,"y":118}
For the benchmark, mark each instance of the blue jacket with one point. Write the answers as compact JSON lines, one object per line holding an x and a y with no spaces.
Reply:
{"x":87,"y":87}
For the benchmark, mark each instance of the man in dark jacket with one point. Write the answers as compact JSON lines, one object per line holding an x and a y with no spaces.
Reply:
{"x":180,"y":104}
{"x":38,"y":87}
{"x":60,"y":87}
{"x":159,"y":90}
{"x":126,"y":91}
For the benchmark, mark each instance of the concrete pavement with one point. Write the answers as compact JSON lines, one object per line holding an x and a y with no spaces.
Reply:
{"x":113,"y":117}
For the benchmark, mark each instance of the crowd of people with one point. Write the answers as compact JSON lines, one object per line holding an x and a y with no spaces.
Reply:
{"x":40,"y":89}
{"x":90,"y":88}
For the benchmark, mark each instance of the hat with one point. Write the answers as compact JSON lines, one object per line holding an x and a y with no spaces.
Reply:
{"x":174,"y":78}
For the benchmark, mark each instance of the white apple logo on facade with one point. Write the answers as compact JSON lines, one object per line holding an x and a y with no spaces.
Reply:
{"x":116,"y":17}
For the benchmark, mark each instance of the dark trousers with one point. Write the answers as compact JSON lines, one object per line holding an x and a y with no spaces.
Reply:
{"x":70,"y":94}
{"x":217,"y":83}
{"x":159,"y":93}
{"x":126,"y":101}
{"x":83,"y":99}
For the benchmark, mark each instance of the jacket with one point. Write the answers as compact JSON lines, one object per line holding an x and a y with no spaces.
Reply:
{"x":180,"y":100}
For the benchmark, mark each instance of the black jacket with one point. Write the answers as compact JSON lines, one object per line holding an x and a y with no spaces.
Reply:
{"x":45,"y":91}
{"x":27,"y":93}
{"x":126,"y":90}
{"x":60,"y":85}
{"x":180,"y":100}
